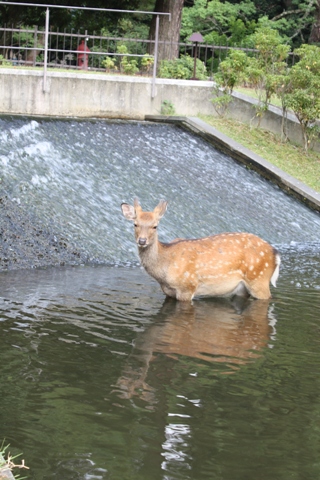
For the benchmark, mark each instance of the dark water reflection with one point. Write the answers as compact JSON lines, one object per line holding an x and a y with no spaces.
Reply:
{"x":101,"y":378}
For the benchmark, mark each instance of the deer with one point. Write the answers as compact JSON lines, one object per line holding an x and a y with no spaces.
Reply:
{"x":216,"y":331}
{"x":220,"y":265}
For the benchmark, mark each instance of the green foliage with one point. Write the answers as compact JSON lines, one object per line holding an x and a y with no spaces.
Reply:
{"x":295,"y":25}
{"x":127,"y":65}
{"x":303,"y":91}
{"x":7,"y":462}
{"x":221,"y":101}
{"x":4,"y":62}
{"x":147,"y":62}
{"x":231,"y":72}
{"x":219,"y":22}
{"x":167,"y":108}
{"x":270,"y":45}
{"x":182,"y":68}
{"x":108,"y":63}
{"x":25,"y":37}
{"x":265,"y":71}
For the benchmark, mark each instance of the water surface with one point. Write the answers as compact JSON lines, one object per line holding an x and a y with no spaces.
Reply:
{"x":101,"y":377}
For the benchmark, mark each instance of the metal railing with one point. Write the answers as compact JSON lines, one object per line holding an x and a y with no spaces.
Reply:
{"x":46,"y":48}
{"x":25,"y":46}
{"x":46,"y":32}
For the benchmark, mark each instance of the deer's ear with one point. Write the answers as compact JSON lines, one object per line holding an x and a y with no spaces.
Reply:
{"x":128,"y":211}
{"x":161,"y":208}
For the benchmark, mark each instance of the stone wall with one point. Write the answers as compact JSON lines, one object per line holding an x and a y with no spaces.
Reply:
{"x":73,"y":94}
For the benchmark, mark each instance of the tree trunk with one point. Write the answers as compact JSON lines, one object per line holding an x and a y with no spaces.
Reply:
{"x":169,"y":31}
{"x":315,"y":30}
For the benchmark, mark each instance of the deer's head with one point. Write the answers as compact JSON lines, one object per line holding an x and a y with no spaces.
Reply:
{"x":145,"y":223}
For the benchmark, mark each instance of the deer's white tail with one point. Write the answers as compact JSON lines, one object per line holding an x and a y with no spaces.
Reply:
{"x":276,"y":272}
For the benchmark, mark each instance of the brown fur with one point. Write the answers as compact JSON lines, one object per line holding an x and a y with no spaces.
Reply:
{"x":218,"y":265}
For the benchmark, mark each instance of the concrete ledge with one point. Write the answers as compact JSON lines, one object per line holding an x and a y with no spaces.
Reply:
{"x":100,"y":95}
{"x":66,"y":94}
{"x":222,"y":142}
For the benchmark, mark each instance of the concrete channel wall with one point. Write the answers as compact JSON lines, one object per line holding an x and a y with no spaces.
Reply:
{"x":98,"y":95}
{"x":65,"y":94}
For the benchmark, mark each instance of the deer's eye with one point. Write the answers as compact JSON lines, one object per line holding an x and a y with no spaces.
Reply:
{"x":136,"y":225}
{"x":155,"y":227}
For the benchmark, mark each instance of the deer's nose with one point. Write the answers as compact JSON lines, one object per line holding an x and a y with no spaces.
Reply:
{"x":142,"y":241}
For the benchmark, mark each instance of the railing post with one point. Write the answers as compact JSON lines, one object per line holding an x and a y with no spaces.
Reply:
{"x":45,"y":60}
{"x":35,"y":43}
{"x":153,"y":89}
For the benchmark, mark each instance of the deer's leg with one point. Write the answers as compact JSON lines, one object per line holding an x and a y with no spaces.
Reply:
{"x":185,"y":295}
{"x":170,"y":292}
{"x":260,"y":290}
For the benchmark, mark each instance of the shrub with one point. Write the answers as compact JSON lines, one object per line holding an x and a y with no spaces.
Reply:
{"x":147,"y":62}
{"x":303,"y":91}
{"x":182,"y":68}
{"x":4,"y":61}
{"x":127,"y":65}
{"x":167,"y":108}
{"x":231,"y":72}
{"x":108,"y":63}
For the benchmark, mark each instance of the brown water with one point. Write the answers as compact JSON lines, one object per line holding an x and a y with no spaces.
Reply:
{"x":101,"y":378}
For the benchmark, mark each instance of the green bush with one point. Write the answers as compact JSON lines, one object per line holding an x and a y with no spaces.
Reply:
{"x":147,"y":62}
{"x":4,"y":61}
{"x":303,"y":91}
{"x":182,"y":68}
{"x":108,"y":63}
{"x":167,"y":108}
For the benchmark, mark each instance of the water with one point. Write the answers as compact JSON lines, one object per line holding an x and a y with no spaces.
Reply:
{"x":75,"y":174}
{"x":100,"y":377}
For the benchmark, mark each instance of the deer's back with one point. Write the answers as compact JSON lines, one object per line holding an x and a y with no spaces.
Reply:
{"x":243,"y":252}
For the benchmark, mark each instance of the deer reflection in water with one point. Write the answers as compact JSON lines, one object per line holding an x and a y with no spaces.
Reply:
{"x":214,"y":331}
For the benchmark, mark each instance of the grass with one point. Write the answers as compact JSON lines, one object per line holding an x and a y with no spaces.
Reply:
{"x":7,"y":463}
{"x":250,"y":92}
{"x":289,"y":157}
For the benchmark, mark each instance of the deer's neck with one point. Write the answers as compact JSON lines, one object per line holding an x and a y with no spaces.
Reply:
{"x":152,"y":259}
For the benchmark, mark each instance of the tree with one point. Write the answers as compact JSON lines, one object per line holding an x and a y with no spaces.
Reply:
{"x":231,"y":72}
{"x":169,"y":29}
{"x":303,"y":95}
{"x":266,"y":69}
{"x":219,"y":22}
{"x":315,"y":29}
{"x":296,"y":19}
{"x":61,"y":18}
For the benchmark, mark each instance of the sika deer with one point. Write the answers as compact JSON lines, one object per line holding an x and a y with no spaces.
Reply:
{"x":211,"y":331}
{"x":219,"y":265}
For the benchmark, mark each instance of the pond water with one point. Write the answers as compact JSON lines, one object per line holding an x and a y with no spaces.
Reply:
{"x":100,"y":376}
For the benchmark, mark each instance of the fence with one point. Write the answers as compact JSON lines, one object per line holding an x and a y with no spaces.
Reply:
{"x":26,"y":46}
{"x":83,"y":49}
